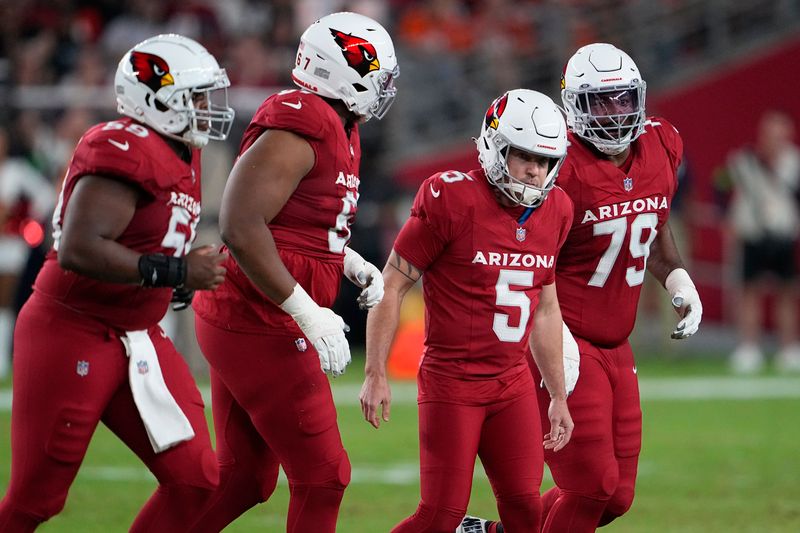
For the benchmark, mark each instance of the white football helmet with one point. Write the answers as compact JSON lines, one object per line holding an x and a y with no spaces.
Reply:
{"x":603,"y":94}
{"x":348,"y":57}
{"x":167,"y":82}
{"x":529,"y":121}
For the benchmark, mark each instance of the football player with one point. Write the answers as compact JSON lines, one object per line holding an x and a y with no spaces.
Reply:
{"x":268,"y":332}
{"x":87,"y":344}
{"x":621,"y":176}
{"x":485,"y":242}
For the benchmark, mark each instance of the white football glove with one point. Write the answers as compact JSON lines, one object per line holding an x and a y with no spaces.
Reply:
{"x":324,"y":329}
{"x":365,"y":275}
{"x":572,"y":359}
{"x":687,"y":302}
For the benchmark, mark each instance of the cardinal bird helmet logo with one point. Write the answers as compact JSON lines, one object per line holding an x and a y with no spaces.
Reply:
{"x":359,"y":53}
{"x":495,"y":111}
{"x":151,"y":70}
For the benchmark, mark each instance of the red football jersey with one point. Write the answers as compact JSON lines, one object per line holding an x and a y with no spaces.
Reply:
{"x":617,"y":215}
{"x":314,"y":223}
{"x":164,"y":221}
{"x":483,"y":271}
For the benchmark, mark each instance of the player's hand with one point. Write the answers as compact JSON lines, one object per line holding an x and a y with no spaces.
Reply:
{"x":324,"y":329}
{"x":375,"y":393}
{"x":365,"y":275}
{"x":204,"y":270}
{"x":686,"y":302}
{"x":572,"y":359}
{"x":561,"y":425}
{"x":182,"y":298}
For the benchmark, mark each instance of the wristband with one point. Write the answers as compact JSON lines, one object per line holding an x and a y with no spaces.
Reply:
{"x":676,"y":279}
{"x":159,"y":270}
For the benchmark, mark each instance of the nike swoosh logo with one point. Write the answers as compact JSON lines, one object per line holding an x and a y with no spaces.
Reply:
{"x":296,"y":105}
{"x":635,"y":371}
{"x":122,"y":146}
{"x":434,"y":192}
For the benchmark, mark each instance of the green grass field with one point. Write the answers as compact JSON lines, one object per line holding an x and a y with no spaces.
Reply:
{"x":726,"y":463}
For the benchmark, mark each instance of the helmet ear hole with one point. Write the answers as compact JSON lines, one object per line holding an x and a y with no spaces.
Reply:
{"x":359,"y":88}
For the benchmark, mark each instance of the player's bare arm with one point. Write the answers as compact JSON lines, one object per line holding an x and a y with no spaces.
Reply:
{"x":664,"y":255}
{"x":398,"y":276}
{"x":546,"y":346}
{"x":259,"y":185}
{"x":403,"y":267}
{"x":98,"y":212}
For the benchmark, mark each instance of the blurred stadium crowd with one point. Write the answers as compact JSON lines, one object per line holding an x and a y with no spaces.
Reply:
{"x":57,"y":60}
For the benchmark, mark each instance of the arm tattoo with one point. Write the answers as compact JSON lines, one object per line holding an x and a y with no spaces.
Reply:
{"x":404,"y":267}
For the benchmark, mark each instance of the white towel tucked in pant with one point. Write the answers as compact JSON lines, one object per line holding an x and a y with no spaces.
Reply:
{"x":164,"y":420}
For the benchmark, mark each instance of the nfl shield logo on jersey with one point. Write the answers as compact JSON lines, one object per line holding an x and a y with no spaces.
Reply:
{"x":301,"y":345}
{"x":627,"y":183}
{"x":83,"y":368}
{"x":521,"y":234}
{"x":142,"y":367}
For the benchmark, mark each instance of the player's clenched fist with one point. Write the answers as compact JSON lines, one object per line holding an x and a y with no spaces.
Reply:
{"x":365,"y":275}
{"x":204,"y":268}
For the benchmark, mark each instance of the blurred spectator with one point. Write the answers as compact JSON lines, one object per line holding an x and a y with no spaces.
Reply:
{"x":198,"y":20}
{"x":762,"y":183}
{"x":251,"y":64}
{"x":508,"y":39}
{"x":142,"y":19}
{"x":438,"y":27}
{"x":26,"y":199}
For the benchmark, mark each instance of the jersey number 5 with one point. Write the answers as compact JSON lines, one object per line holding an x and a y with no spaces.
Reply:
{"x":617,"y":228}
{"x":509,"y":298}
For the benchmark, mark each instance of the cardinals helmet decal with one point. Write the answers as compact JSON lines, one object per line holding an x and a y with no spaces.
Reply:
{"x":359,"y":53}
{"x":151,"y":70}
{"x":495,"y":111}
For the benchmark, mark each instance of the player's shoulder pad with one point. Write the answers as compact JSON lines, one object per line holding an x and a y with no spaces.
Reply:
{"x":126,"y":149}
{"x":668,"y":135}
{"x":560,"y":197}
{"x":576,"y":154}
{"x":298,"y":111}
{"x":452,"y":189}
{"x":120,"y":147}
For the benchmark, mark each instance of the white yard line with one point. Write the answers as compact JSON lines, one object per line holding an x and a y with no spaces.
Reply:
{"x":652,"y":389}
